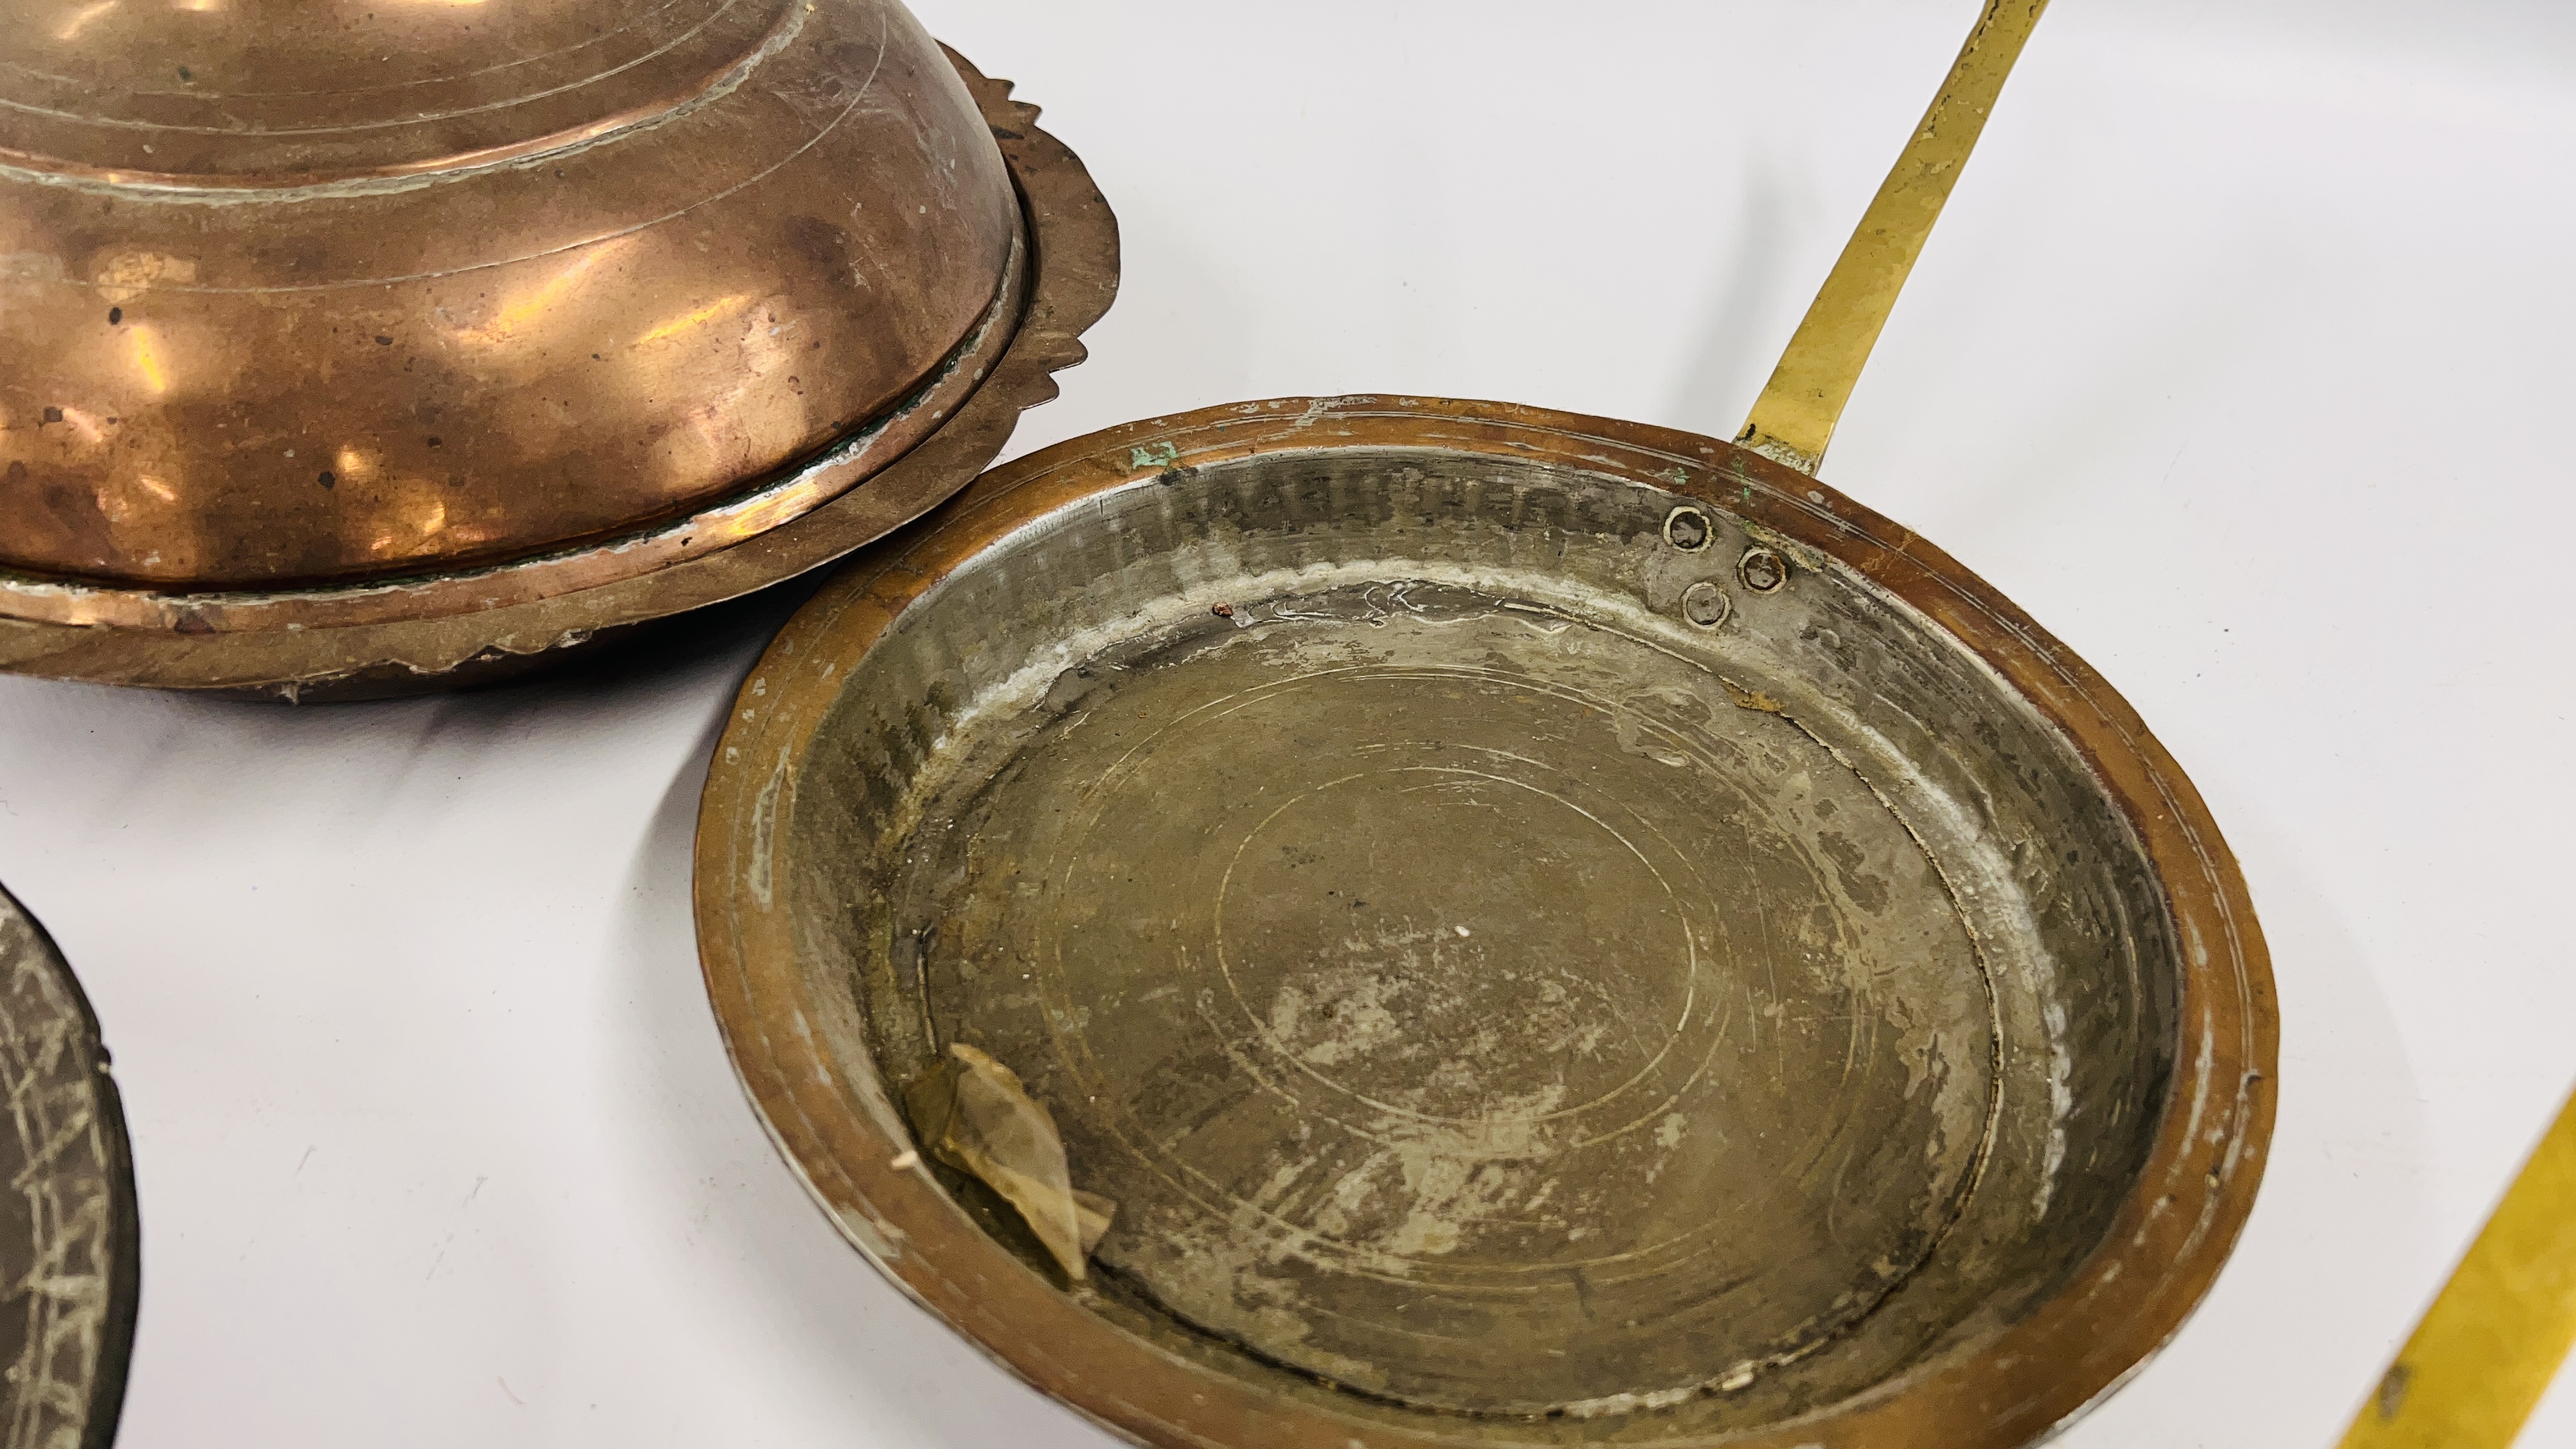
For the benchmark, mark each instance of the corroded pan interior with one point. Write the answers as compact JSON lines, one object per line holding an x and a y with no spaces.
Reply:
{"x":1550,"y":931}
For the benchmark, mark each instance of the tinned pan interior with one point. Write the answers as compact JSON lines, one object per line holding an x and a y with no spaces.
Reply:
{"x":2118,"y":1080}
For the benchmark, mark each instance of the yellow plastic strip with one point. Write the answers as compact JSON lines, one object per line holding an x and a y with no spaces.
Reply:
{"x":1794,"y":418}
{"x":2489,"y":1346}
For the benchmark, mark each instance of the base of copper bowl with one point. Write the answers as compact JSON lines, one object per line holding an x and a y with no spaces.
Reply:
{"x":440,"y":632}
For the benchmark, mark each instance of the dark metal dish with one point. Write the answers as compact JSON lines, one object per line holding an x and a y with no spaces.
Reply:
{"x":70,"y":1250}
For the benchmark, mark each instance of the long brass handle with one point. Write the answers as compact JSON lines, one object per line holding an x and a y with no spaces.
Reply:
{"x":2485,"y":1352}
{"x":1794,"y":418}
{"x":2488,"y":1347}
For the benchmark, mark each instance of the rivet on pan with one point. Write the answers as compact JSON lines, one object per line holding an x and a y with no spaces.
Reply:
{"x":1762,"y":570}
{"x":1706,"y":605}
{"x":1686,"y":528}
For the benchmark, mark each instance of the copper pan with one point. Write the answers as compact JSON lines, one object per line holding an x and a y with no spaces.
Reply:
{"x":1550,"y":931}
{"x":380,"y":357}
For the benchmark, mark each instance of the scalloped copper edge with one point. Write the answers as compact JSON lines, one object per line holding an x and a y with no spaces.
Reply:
{"x":2163,"y":1250}
{"x":1071,"y":278}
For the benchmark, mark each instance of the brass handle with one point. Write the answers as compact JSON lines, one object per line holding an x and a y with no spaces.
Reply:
{"x":2492,"y":1341}
{"x":2487,"y":1349}
{"x":1794,"y":418}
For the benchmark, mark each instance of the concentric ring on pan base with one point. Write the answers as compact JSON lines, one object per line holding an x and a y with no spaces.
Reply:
{"x":70,"y":1244}
{"x":441,"y":631}
{"x":1513,"y":1000}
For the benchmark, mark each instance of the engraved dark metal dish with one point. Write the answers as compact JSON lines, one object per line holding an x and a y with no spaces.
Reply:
{"x":1550,"y":931}
{"x":70,"y":1251}
{"x":345,"y":358}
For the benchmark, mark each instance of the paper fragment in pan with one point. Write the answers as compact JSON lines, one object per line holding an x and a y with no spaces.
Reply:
{"x":972,"y":1113}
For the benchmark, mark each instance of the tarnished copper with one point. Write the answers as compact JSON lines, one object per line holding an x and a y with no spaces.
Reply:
{"x":1011,"y":780}
{"x":472,"y":330}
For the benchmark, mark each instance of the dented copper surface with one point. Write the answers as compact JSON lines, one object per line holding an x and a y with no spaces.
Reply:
{"x":70,"y":1251}
{"x":368,"y":325}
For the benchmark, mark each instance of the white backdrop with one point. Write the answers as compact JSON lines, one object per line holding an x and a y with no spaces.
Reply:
{"x":2240,"y":361}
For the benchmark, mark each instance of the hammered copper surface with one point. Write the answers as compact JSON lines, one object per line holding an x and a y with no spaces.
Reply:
{"x":443,"y":626}
{"x":292,"y":294}
{"x":70,"y":1254}
{"x":1551,"y":931}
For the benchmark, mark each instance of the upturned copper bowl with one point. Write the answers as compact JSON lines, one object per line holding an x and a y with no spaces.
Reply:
{"x":369,"y":348}
{"x":71,"y":1249}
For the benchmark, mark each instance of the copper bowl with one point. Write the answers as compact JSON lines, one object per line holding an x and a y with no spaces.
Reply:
{"x":350,"y":354}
